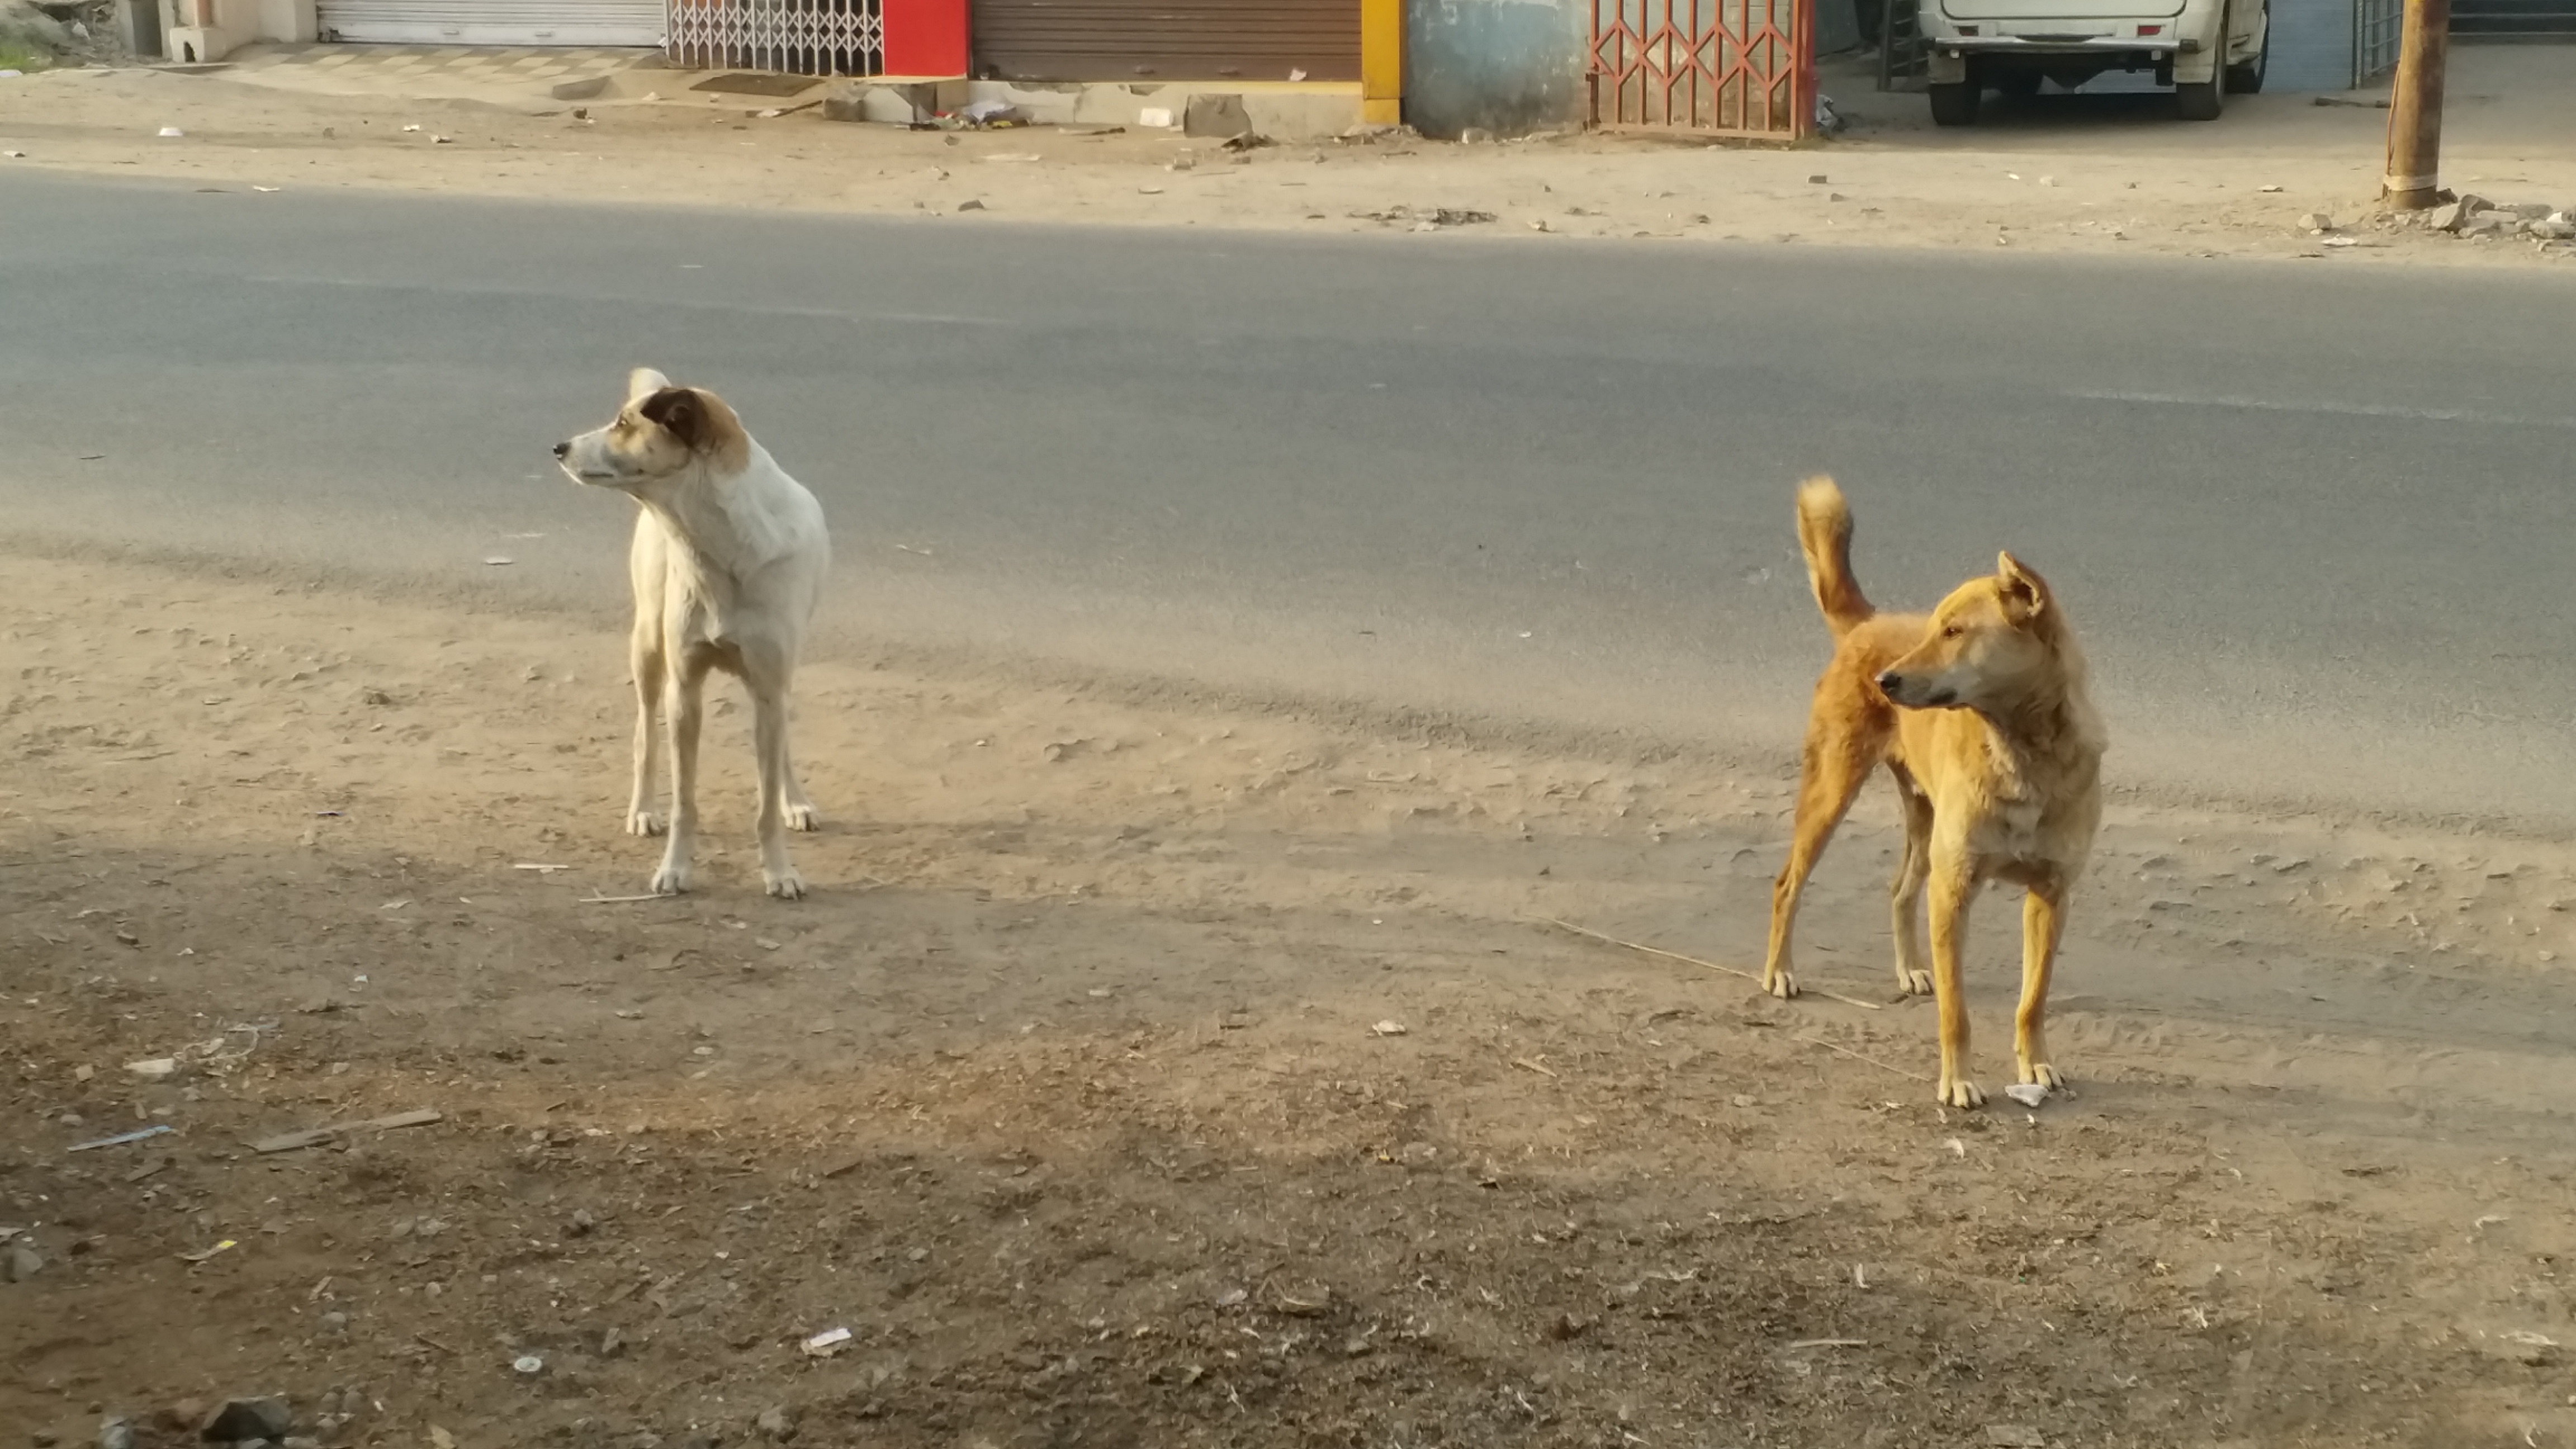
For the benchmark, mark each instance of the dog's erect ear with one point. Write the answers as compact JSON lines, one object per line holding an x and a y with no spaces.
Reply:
{"x":677,"y":411}
{"x":2025,"y":593}
{"x":643,"y":382}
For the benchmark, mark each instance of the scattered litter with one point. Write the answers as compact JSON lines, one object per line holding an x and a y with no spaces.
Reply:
{"x":2014,"y":1436}
{"x":1388,"y":1028}
{"x":2267,"y":190}
{"x":1430,"y":220}
{"x":1957,"y":1147}
{"x":542,"y":869}
{"x":440,"y":1439}
{"x":2029,"y":1094}
{"x":171,"y":133}
{"x":527,"y":1363}
{"x":330,"y":814}
{"x":408,"y":129}
{"x":985,"y":113}
{"x":441,"y":140}
{"x":155,"y":1069}
{"x":1157,"y":117}
{"x":499,"y":560}
{"x":2529,"y":1339}
{"x":1149,"y":191}
{"x":266,"y":190}
{"x":827,"y":1343}
{"x":1830,"y":121}
{"x":202,"y":1254}
{"x":1015,"y":156}
{"x":619,"y":900}
{"x":316,"y":1136}
{"x":1829,"y":1343}
{"x":14,"y":155}
{"x":2340,"y":241}
{"x":1533,"y":1064}
{"x":122,"y":1138}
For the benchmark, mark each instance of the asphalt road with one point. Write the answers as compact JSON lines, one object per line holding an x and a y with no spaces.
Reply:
{"x":2312,"y":517}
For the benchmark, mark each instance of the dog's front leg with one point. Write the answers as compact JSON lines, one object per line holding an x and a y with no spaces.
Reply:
{"x":683,"y":708}
{"x":646,"y":659}
{"x":2043,"y":923}
{"x":769,"y":737}
{"x":1954,"y":887}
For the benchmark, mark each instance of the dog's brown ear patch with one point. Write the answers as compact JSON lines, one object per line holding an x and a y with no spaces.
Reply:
{"x":677,"y":411}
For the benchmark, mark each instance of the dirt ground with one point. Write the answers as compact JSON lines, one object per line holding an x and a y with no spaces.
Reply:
{"x":2078,"y":174}
{"x":1147,"y":1074}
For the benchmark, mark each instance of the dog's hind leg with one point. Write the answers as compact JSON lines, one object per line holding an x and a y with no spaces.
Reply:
{"x":1837,"y":763}
{"x":1905,"y":895}
{"x":801,"y":814}
{"x":2043,"y":921}
{"x":766,"y":673}
{"x":645,"y":658}
{"x":685,"y":696}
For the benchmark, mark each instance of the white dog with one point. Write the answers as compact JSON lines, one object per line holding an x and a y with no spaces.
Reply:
{"x":728,"y":561}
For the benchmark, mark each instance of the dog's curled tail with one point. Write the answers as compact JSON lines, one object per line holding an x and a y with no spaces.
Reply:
{"x":1824,"y":536}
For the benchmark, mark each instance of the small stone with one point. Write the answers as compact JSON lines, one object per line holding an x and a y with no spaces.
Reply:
{"x":583,"y":1222}
{"x":2553,"y":229}
{"x":22,"y":1263}
{"x":44,"y":1439}
{"x":334,"y":1325}
{"x":611,"y":1342}
{"x":116,"y":1434}
{"x":2531,"y":210}
{"x":971,"y":205}
{"x":1475,"y":136}
{"x":2316,"y":221}
{"x":241,"y":1421}
{"x":773,"y":1423}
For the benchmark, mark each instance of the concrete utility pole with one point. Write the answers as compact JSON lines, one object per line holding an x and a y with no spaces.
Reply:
{"x":2414,"y":178}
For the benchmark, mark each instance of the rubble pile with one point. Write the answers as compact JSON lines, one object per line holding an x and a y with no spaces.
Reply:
{"x":2475,"y":218}
{"x":42,"y":33}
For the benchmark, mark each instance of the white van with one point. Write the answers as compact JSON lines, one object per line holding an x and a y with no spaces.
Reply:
{"x":2202,"y":48}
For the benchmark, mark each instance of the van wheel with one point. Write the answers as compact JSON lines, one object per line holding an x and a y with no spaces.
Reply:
{"x":1953,"y":105}
{"x":2200,"y":100}
{"x":2246,"y":79}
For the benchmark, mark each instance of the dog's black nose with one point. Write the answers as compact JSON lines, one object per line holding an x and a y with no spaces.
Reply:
{"x":562,"y":448}
{"x":1890,"y":682}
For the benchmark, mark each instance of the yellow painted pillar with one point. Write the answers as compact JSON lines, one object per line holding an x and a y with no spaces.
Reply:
{"x":1382,"y":62}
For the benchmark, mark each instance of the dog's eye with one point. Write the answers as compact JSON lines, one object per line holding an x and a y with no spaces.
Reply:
{"x":1952,"y":632}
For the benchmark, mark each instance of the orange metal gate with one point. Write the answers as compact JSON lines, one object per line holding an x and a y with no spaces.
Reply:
{"x":1725,"y":67}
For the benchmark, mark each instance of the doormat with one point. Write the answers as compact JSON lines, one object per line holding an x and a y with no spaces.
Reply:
{"x":754,"y":83}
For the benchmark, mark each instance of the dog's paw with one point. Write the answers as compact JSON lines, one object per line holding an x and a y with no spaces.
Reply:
{"x":1914,"y":983}
{"x":802,"y":815}
{"x":671,"y":880}
{"x":643,"y":822}
{"x":2044,"y":1075}
{"x":1962,"y":1094}
{"x":785,"y":884}
{"x":1781,"y":984}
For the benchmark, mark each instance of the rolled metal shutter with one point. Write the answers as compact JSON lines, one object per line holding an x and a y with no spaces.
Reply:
{"x":1169,"y":40}
{"x":494,"y":22}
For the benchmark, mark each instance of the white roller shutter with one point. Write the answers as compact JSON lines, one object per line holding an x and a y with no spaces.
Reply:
{"x":494,"y":22}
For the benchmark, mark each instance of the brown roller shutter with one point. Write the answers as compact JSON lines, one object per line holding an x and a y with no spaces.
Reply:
{"x":1168,"y":40}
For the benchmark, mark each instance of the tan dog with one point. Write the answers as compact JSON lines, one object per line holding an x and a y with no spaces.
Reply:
{"x":1981,"y":713}
{"x":727,"y":564}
